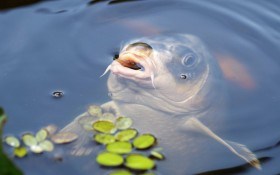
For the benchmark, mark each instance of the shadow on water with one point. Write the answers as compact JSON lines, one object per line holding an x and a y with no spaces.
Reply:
{"x":11,"y":4}
{"x":268,"y":148}
{"x":112,"y":1}
{"x":242,"y":169}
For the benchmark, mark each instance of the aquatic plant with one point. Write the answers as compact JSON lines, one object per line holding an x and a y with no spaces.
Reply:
{"x":120,"y":142}
{"x":122,"y":145}
{"x":7,"y":166}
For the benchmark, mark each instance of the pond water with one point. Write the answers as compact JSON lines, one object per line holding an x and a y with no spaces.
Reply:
{"x":67,"y":44}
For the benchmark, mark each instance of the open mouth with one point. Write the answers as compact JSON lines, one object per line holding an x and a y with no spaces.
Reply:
{"x":134,"y":63}
{"x":131,"y":60}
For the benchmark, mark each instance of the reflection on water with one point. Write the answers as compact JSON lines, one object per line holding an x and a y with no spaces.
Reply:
{"x":9,"y":4}
{"x":41,"y":53}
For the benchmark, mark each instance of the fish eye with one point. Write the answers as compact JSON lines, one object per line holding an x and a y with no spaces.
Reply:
{"x":189,"y":60}
{"x":140,"y":47}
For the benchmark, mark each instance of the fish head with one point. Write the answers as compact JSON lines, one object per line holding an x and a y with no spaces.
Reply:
{"x":171,"y":73}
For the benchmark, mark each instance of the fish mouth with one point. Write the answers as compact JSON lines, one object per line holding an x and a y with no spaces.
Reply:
{"x":132,"y":60}
{"x":135,"y":66}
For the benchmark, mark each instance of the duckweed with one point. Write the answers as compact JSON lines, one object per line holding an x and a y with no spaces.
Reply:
{"x":36,"y":149}
{"x":144,"y":141}
{"x":46,"y":145}
{"x":120,"y":172}
{"x":51,"y":129}
{"x":64,"y":137}
{"x":119,"y":147}
{"x":157,"y":155}
{"x":20,"y":152}
{"x":139,"y":162}
{"x":41,"y":135}
{"x":109,"y":159}
{"x":104,"y":126}
{"x":29,"y":140}
{"x":104,"y":138}
{"x":12,"y":141}
{"x":126,"y":135}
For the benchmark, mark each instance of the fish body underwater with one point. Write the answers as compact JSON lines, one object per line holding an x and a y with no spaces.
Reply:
{"x":172,"y":87}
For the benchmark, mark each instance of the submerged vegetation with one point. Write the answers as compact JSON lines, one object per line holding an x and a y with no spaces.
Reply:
{"x":123,"y":146}
{"x":7,"y":166}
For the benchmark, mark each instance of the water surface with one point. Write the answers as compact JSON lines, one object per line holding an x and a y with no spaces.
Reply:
{"x":67,"y":44}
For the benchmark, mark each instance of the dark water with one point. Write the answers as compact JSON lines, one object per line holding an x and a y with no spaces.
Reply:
{"x":67,"y":44}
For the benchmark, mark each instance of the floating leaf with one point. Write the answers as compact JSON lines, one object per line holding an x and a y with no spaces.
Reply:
{"x":139,"y":162}
{"x":29,"y":140}
{"x":64,"y":137}
{"x":41,"y":135}
{"x":123,"y":122}
{"x":120,"y":172}
{"x":20,"y":152}
{"x":36,"y":149}
{"x":12,"y":141}
{"x":51,"y":129}
{"x":104,"y":126}
{"x":7,"y":167}
{"x":119,"y":147}
{"x":108,"y":116}
{"x":109,"y":159}
{"x":126,"y":135}
{"x":149,"y":173}
{"x":104,"y":138}
{"x":157,"y":155}
{"x":144,"y":141}
{"x":46,"y":145}
{"x":94,"y":110}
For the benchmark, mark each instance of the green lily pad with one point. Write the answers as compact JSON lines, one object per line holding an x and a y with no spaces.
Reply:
{"x":36,"y":149}
{"x":157,"y":155}
{"x":104,"y":126}
{"x":126,"y":135}
{"x":109,"y":159}
{"x":104,"y":138}
{"x":95,"y":111}
{"x":29,"y":140}
{"x":108,"y":116}
{"x":12,"y":141}
{"x":139,"y":162}
{"x":64,"y":137}
{"x":46,"y":145}
{"x":20,"y":152}
{"x":144,"y":141}
{"x":119,"y":147}
{"x":123,"y":123}
{"x":41,"y":135}
{"x":120,"y":172}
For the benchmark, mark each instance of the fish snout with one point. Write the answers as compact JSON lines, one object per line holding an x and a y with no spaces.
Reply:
{"x":135,"y":54}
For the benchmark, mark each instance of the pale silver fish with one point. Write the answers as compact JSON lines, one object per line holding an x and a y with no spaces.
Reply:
{"x":171,"y":86}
